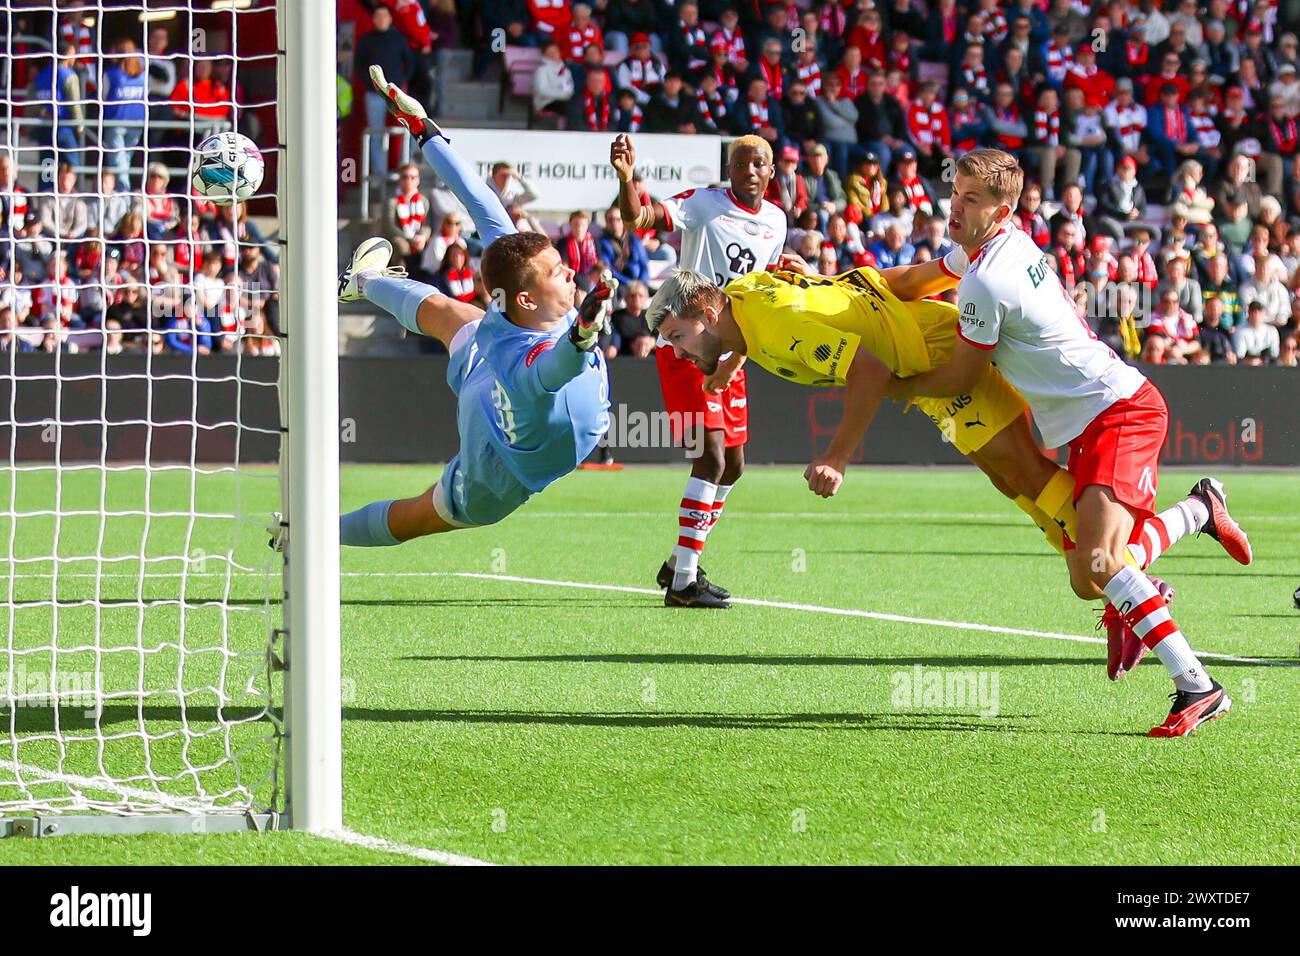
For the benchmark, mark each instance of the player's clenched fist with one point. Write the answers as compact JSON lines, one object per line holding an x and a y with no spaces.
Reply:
{"x":622,"y":157}
{"x":824,"y":476}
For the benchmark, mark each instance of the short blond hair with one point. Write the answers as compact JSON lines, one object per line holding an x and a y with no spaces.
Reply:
{"x":997,"y":170}
{"x":751,"y":142}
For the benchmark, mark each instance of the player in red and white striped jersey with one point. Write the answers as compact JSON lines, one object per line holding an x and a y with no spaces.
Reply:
{"x":1015,"y":311}
{"x":727,"y":232}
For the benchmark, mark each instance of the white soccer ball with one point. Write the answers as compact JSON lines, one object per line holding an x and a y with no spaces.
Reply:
{"x":228,"y":168}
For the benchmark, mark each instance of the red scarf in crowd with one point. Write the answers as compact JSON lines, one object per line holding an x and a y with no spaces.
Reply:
{"x":597,"y":110}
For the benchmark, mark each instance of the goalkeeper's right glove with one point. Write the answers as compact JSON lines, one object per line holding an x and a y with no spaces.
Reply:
{"x":593,"y":314}
{"x":406,"y":109}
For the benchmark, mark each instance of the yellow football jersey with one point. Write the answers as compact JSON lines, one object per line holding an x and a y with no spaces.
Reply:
{"x":808,"y":328}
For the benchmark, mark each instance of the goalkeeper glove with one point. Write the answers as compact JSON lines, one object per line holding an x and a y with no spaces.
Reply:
{"x":956,"y":261}
{"x":593,"y":314}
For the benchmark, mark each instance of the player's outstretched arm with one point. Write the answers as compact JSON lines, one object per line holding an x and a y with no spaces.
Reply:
{"x":865,"y":383}
{"x":923,"y":278}
{"x":957,"y":377}
{"x":490,"y":217}
{"x":622,"y":157}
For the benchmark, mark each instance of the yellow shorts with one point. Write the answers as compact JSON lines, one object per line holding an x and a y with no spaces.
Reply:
{"x":967,"y":421}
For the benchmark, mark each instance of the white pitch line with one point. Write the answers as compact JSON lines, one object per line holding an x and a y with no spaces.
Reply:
{"x":840,"y":611}
{"x":185,"y":804}
{"x":353,"y":838}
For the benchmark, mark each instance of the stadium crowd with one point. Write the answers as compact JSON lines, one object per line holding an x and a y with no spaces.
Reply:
{"x":102,"y":244}
{"x":1160,"y":141}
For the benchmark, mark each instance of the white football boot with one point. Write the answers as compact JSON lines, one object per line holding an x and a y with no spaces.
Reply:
{"x":372,"y":256}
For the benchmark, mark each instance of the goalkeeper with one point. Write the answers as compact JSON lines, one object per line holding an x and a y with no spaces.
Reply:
{"x":532,"y":386}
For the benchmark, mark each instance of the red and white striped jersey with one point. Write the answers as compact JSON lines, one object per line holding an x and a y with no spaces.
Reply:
{"x":577,"y":39}
{"x":1012,"y":303}
{"x":929,"y":124}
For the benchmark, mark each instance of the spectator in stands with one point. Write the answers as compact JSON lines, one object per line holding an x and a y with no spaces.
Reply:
{"x":131,"y":310}
{"x":592,"y":110}
{"x":105,"y":209}
{"x":1289,"y":355}
{"x":1070,"y":264}
{"x":838,"y":116}
{"x":64,"y":215}
{"x":450,"y":233}
{"x":387,"y":48}
{"x":455,"y":275}
{"x":1121,"y":200}
{"x":10,"y":339}
{"x":163,"y":215}
{"x":209,"y":289}
{"x":1217,"y":285}
{"x":583,"y":32}
{"x":893,"y":249}
{"x":1186,"y":288}
{"x":1216,"y":342}
{"x":688,"y":45}
{"x":1178,"y":326}
{"x":622,"y":251}
{"x":759,"y":114}
{"x":130,"y":240}
{"x":631,"y":334}
{"x":1237,"y":200}
{"x":57,"y":297}
{"x":867,"y":189}
{"x":56,"y":93}
{"x":14,"y":208}
{"x":800,"y":115}
{"x":642,"y":72}
{"x":510,"y":188}
{"x":1256,"y":342}
{"x":1087,"y":134}
{"x":1280,"y":141}
{"x":1268,"y":288}
{"x":552,"y":82}
{"x":204,"y":97}
{"x":161,"y":66}
{"x":626,"y":18}
{"x":711,"y":106}
{"x":670,"y":109}
{"x":576,"y":246}
{"x":1187,"y":196}
{"x":1029,"y":214}
{"x":1287,"y":89}
{"x":189,"y":331}
{"x":125,"y":91}
{"x":1055,"y":161}
{"x":786,"y":188}
{"x":628,"y":115}
{"x":822,"y":185}
{"x":407,"y":216}
{"x":259,"y":284}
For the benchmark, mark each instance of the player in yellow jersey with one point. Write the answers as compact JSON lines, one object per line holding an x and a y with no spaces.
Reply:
{"x":851,"y":330}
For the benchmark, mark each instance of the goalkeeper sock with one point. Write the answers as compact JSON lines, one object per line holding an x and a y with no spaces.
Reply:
{"x":400,"y":297}
{"x":1161,"y":532}
{"x":694,"y":518}
{"x":367,"y":527}
{"x":1051,"y":530}
{"x":1146,"y":612}
{"x":1056,"y":501}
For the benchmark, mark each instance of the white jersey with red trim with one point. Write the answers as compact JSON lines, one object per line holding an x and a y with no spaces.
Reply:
{"x":1012,"y":303}
{"x":721,"y":237}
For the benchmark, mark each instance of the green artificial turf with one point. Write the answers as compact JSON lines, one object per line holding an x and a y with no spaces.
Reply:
{"x":524,"y":722}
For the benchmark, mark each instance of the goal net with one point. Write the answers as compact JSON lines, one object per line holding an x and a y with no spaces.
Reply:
{"x":142,"y":642}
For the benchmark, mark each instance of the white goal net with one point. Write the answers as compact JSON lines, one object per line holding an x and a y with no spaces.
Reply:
{"x":140,"y":337}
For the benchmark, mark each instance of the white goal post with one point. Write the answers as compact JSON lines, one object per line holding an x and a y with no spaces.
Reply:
{"x":161,"y":667}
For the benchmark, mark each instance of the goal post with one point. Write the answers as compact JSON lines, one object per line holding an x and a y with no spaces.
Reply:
{"x":161,"y":668}
{"x":310,"y":389}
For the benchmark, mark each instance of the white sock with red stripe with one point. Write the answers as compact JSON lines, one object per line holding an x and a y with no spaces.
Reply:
{"x":1145,"y":611}
{"x":1160,"y":533}
{"x":694,"y":519}
{"x":719,"y":500}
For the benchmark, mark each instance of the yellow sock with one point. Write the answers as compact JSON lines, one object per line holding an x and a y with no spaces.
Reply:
{"x":1056,"y":503}
{"x":1051,"y":530}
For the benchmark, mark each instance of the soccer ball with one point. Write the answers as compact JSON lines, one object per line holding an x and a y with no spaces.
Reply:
{"x":228,"y":168}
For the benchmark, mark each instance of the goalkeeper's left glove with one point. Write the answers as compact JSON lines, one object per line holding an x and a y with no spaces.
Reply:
{"x":593,"y":314}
